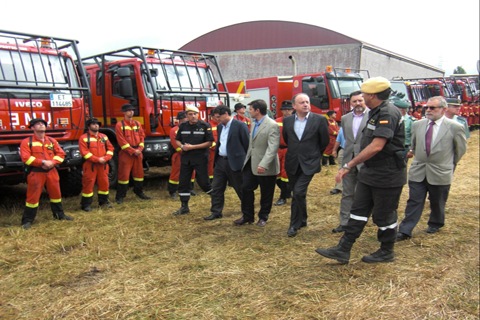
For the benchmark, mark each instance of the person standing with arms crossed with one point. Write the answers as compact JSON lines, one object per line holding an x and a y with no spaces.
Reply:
{"x":97,"y":150}
{"x":381,"y":178}
{"x":306,"y":135}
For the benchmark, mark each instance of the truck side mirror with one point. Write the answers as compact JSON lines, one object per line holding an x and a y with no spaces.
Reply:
{"x":123,"y":72}
{"x":321,"y":89}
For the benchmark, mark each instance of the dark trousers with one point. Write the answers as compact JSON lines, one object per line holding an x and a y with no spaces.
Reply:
{"x":222,"y":173}
{"x":267,"y":190}
{"x":299,"y":184}
{"x":418,"y":192}
{"x":186,"y":170}
{"x":384,"y":202}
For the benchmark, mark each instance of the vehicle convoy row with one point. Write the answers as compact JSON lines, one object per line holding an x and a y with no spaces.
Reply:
{"x":45,"y":77}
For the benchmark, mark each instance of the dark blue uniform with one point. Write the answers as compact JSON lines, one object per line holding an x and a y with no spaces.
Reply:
{"x":196,"y":159}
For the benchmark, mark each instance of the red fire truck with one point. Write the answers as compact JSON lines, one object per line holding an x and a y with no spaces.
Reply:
{"x":158,"y":83}
{"x":414,"y":93}
{"x":38,"y":79}
{"x":329,"y":90}
{"x":464,"y":88}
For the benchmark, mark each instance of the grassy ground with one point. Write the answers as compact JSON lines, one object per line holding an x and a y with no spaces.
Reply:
{"x":138,"y":261}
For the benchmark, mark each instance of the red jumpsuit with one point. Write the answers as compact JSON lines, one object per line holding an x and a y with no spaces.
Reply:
{"x":93,"y":170}
{"x":333,"y":132}
{"x":174,"y":178}
{"x":418,"y":115}
{"x":243,"y":119}
{"x":211,"y":154}
{"x":130,"y":137}
{"x":282,"y":178}
{"x":32,"y":155}
{"x":475,"y":116}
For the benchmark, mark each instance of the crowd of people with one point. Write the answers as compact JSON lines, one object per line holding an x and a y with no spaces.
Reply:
{"x":372,"y":146}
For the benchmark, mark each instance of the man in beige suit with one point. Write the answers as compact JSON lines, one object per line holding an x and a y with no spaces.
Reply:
{"x":438,"y":144}
{"x":261,"y":165}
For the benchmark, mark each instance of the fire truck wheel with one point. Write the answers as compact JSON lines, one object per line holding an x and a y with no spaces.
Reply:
{"x":113,"y":172}
{"x":71,"y":182}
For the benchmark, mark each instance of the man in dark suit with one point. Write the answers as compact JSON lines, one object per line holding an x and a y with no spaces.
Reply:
{"x":306,"y":135}
{"x":432,"y":169}
{"x":231,"y":148}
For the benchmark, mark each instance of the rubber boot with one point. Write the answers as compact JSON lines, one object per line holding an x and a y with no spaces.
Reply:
{"x":138,"y":190}
{"x":324,"y":160}
{"x":57,"y":209}
{"x":121,"y":192}
{"x":183,"y":210}
{"x":384,"y":254}
{"x":341,"y":252}
{"x":103,"y":201}
{"x":86,"y":203}
{"x":331,"y":161}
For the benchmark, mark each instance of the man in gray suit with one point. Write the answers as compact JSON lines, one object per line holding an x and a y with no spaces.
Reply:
{"x":352,"y":125}
{"x":438,"y":144}
{"x":261,"y":165}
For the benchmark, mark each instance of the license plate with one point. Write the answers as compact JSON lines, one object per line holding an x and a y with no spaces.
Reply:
{"x":61,"y":100}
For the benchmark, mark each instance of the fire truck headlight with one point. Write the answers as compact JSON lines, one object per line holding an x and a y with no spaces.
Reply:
{"x":75,"y":154}
{"x":148,"y":148}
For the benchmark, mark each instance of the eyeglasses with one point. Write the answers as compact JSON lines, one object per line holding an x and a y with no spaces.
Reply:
{"x":431,"y":108}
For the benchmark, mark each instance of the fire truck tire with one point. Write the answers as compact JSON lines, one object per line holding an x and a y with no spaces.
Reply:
{"x":71,"y":182}
{"x":113,"y":172}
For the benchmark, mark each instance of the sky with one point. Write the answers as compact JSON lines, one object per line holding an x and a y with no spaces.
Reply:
{"x":441,"y":33}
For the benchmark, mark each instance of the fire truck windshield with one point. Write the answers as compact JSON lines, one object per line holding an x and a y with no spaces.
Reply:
{"x":168,"y":77}
{"x":25,"y":70}
{"x":399,"y":89}
{"x":343,"y":87}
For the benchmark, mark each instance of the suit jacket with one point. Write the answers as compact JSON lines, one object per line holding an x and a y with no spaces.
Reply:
{"x":237,"y":144}
{"x":445,"y":152}
{"x":263,"y":148}
{"x":352,"y":145}
{"x":306,"y":152}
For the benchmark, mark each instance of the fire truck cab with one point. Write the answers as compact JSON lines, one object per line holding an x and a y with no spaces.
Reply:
{"x":38,"y":79}
{"x":158,"y":83}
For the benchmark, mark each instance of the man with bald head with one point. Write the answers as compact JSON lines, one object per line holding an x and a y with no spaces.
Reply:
{"x":306,"y":136}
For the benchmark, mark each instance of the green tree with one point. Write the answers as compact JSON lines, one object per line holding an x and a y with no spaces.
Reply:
{"x":459,"y":70}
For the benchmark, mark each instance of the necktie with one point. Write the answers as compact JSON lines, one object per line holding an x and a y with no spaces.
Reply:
{"x":428,"y":137}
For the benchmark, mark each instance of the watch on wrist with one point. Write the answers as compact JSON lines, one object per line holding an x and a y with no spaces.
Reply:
{"x":346,"y":167}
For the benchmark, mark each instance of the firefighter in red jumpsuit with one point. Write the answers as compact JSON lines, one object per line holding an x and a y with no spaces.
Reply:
{"x":130,"y":137}
{"x":240,"y":109}
{"x":41,"y":154}
{"x":282,"y":178}
{"x":333,"y":130}
{"x":97,"y":150}
{"x":214,"y":120}
{"x":174,"y":178}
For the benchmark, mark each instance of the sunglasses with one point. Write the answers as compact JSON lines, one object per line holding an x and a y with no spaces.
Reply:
{"x":431,"y":108}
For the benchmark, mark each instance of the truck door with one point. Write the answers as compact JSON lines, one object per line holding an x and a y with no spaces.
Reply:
{"x":123,"y":89}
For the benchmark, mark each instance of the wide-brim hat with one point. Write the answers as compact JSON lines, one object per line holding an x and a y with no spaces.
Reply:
{"x":181,"y":115}
{"x":90,"y":121}
{"x":126,"y":107}
{"x":36,"y":120}
{"x":286,"y":105}
{"x":375,"y":85}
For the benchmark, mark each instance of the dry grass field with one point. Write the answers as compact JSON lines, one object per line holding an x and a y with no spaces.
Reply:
{"x":138,"y":261}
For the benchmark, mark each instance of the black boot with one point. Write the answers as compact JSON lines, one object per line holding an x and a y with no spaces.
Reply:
{"x":324,"y":160}
{"x":384,"y":254}
{"x":183,"y":210}
{"x":57,"y":209}
{"x":331,"y":161}
{"x":138,"y":190}
{"x":341,"y":252}
{"x":103,"y":201}
{"x":86,"y":203}
{"x":121,"y":192}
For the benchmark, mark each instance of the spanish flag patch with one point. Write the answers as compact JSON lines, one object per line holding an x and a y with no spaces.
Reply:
{"x":383,"y":122}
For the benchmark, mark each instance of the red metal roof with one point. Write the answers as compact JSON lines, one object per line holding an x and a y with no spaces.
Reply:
{"x":266,"y":35}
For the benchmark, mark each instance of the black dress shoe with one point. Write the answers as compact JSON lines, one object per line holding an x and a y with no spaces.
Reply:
{"x":292,"y":232}
{"x":213,"y":217}
{"x":432,"y":230}
{"x":335,"y":191}
{"x":119,"y":200}
{"x":402,"y":236}
{"x":143,"y":196}
{"x":242,"y":221}
{"x":261,"y":223}
{"x":338,"y":229}
{"x":280,"y":202}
